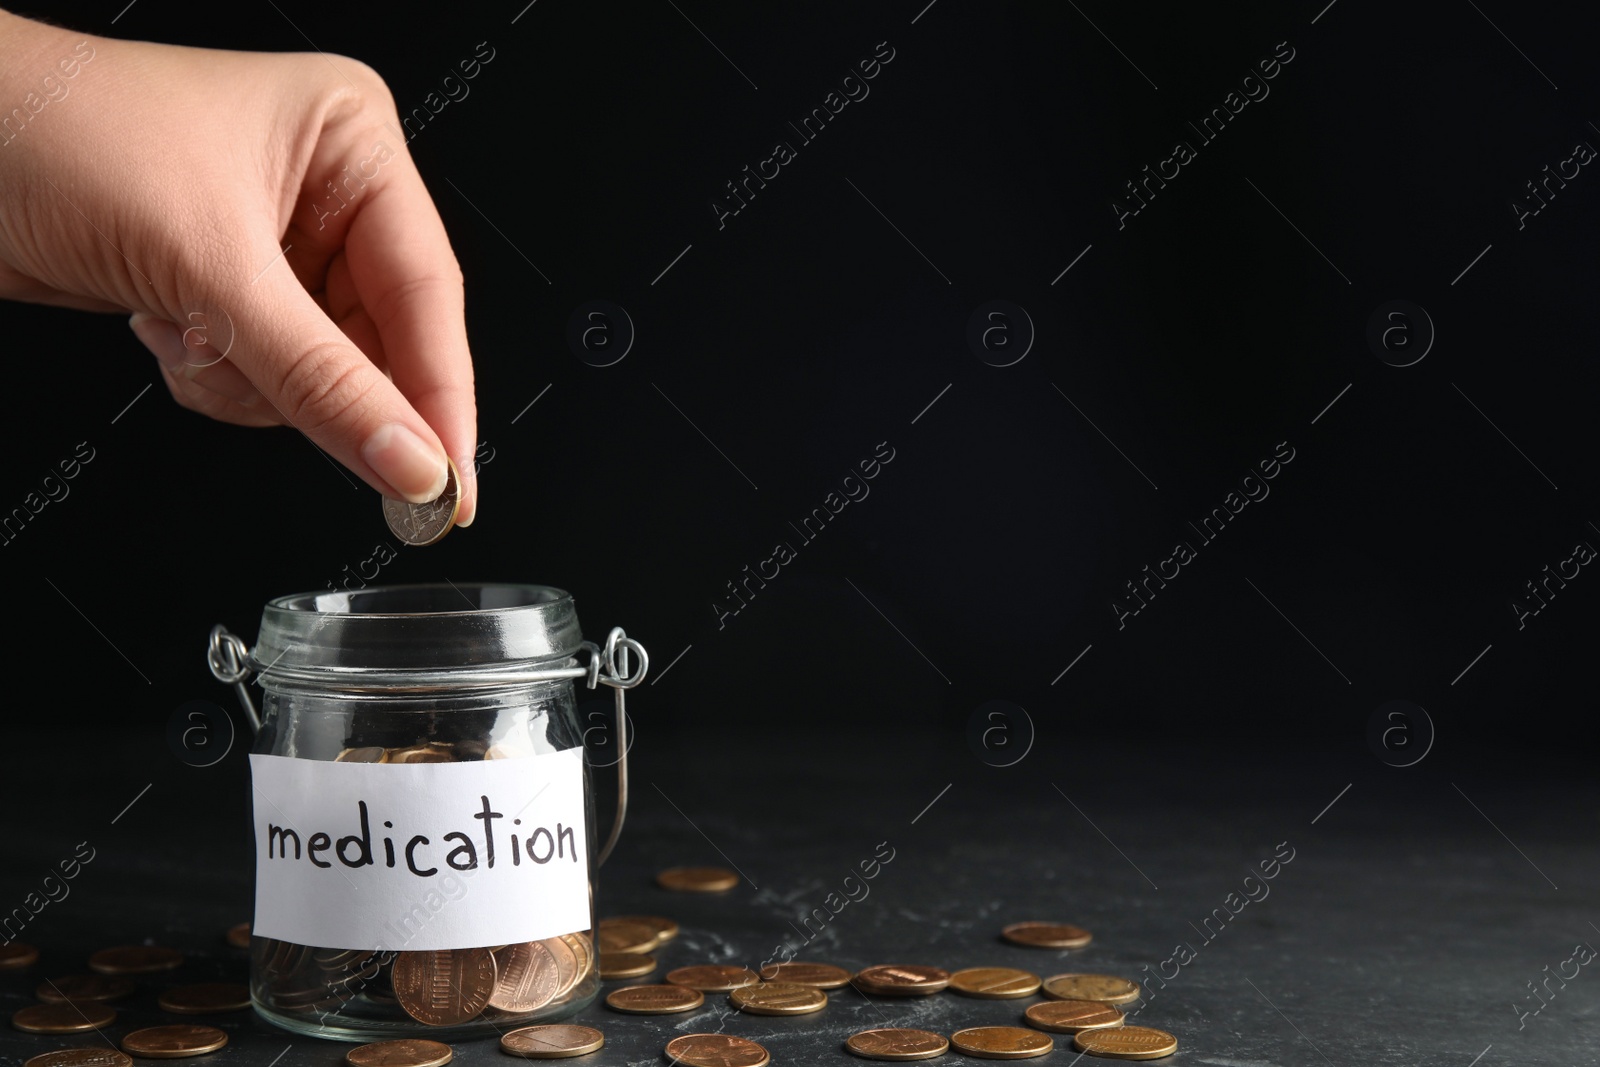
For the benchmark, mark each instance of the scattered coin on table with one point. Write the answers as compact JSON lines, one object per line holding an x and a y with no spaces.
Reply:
{"x":713,"y":977}
{"x":1127,"y":1043}
{"x":894,"y":1043}
{"x":1001,"y":1042}
{"x":901,"y":980}
{"x":625,"y":935}
{"x":81,"y":1057}
{"x":625,"y":965}
{"x":778,"y":998}
{"x":1105,"y":988}
{"x":654,"y":999}
{"x":994,"y":983}
{"x":15,"y":956}
{"x":666,"y":929}
{"x":83,"y":987}
{"x":239,"y":936}
{"x":1072,"y":1016}
{"x":1047,"y":935}
{"x":716,"y":1050}
{"x":697,"y":879}
{"x":205,"y":998}
{"x":555,"y":1041}
{"x":407,"y":1052}
{"x":173,"y":1042}
{"x":818,"y":975}
{"x":68,"y":1018}
{"x":135,"y":959}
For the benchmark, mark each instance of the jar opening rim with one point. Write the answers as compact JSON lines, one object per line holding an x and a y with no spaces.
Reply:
{"x":421,"y":600}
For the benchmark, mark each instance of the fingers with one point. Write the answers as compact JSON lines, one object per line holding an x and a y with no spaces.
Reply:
{"x":324,"y":385}
{"x":402,"y":267}
{"x":200,"y":378}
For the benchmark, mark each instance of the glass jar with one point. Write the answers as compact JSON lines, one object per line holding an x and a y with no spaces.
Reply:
{"x":424,"y":821}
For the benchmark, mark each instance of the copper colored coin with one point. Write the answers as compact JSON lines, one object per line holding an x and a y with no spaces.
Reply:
{"x":409,"y":1052}
{"x":83,"y":988}
{"x":901,"y":980}
{"x":893,"y":1043}
{"x":1047,"y":935}
{"x":666,"y":929}
{"x":816,"y":975}
{"x":994,"y":983}
{"x":423,"y":524}
{"x":527,"y":978}
{"x":713,"y":977}
{"x":207,"y":998}
{"x":1002,"y":1042}
{"x":1127,"y":1043}
{"x":1104,"y":988}
{"x":697,"y":879}
{"x":557,"y":1041}
{"x":370,"y":754}
{"x":1072,"y":1016}
{"x":778,"y":998}
{"x":135,"y":959}
{"x":239,"y":936}
{"x":15,"y":956}
{"x":444,"y":987}
{"x":654,"y":999}
{"x":625,"y":965}
{"x":81,"y":1057}
{"x":173,"y":1042}
{"x":62,"y":1018}
{"x":716,"y":1050}
{"x":624,"y":935}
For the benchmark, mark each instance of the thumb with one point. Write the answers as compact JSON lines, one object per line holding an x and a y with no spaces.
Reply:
{"x":326,"y":387}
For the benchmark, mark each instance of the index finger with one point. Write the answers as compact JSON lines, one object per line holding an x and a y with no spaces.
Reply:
{"x":410,"y":285}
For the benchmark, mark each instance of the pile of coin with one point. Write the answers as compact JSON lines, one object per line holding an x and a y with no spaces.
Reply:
{"x":438,"y":987}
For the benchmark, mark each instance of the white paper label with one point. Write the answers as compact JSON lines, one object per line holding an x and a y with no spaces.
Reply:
{"x":416,"y":856}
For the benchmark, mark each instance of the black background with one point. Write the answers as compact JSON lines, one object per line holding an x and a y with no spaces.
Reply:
{"x":988,"y":554}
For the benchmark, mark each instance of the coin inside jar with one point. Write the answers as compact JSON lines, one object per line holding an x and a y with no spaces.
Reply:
{"x":625,"y":964}
{"x":407,"y":1052}
{"x":444,"y":987}
{"x":713,"y":977}
{"x":1047,"y":935}
{"x":1072,"y":1016}
{"x":556,"y":1041}
{"x":817,"y":975}
{"x":716,"y":1050}
{"x":901,"y":980}
{"x":173,"y":1042}
{"x":1127,"y":1043}
{"x":1001,"y":1042}
{"x":778,"y":998}
{"x":1105,"y":988}
{"x":81,"y":1057}
{"x":205,"y":998}
{"x":994,"y":983}
{"x":528,"y":978}
{"x":654,"y":999}
{"x":67,"y":1018}
{"x":135,"y":959}
{"x":423,"y":524}
{"x":83,"y":987}
{"x":895,"y":1043}
{"x":697,"y":879}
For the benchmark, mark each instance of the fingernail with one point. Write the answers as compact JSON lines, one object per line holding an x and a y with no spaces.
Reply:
{"x":162,"y":338}
{"x":401,"y":458}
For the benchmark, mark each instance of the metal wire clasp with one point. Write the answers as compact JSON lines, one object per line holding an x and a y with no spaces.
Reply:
{"x":229,"y":660}
{"x":610,"y":666}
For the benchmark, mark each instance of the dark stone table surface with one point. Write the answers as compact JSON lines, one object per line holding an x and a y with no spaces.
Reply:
{"x":1417,"y":910}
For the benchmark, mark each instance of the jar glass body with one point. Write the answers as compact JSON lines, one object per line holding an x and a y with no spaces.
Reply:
{"x":377,"y":979}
